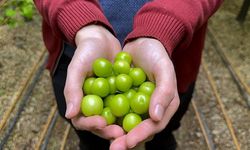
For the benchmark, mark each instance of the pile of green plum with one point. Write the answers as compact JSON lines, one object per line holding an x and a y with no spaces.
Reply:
{"x":118,"y":92}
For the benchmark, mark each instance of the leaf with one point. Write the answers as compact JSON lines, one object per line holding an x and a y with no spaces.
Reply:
{"x":27,"y":11}
{"x":12,"y":23}
{"x":29,"y":1}
{"x":10,"y":12}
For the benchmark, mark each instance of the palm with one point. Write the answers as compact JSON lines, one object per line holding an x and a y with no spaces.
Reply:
{"x":150,"y":55}
{"x":92,"y":42}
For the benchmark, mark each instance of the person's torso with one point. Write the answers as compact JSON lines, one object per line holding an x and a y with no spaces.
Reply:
{"x":120,"y":14}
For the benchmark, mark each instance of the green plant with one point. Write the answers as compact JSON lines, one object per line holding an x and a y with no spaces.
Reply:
{"x":15,"y":12}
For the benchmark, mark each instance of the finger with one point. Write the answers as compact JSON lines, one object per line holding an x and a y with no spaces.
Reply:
{"x":73,"y":87}
{"x":88,"y":123}
{"x":119,"y":144}
{"x":149,"y":128}
{"x":110,"y":132}
{"x":141,"y":132}
{"x":164,"y":91}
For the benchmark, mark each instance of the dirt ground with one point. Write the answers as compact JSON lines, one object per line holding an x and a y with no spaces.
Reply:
{"x":233,"y":36}
{"x":234,"y":104}
{"x":19,"y":51}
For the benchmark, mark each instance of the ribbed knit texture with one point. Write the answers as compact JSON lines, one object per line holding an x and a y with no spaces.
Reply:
{"x":75,"y":15}
{"x":163,"y":27}
{"x":172,"y":22}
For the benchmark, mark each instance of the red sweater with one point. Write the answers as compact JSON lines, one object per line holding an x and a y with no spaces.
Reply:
{"x":180,"y":25}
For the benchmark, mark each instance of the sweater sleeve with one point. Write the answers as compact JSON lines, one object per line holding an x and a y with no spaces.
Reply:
{"x":66,"y":17}
{"x":173,"y":22}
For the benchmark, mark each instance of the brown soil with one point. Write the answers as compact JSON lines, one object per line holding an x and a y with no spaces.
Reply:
{"x":20,"y":49}
{"x":57,"y":134}
{"x":189,"y":136}
{"x":233,"y":36}
{"x":236,"y":107}
{"x":30,"y":125}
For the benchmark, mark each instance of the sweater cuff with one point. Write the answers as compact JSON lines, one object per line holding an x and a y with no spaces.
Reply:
{"x":166,"y":28}
{"x":76,"y":14}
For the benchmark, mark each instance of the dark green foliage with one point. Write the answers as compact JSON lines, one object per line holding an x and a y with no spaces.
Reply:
{"x":15,"y":12}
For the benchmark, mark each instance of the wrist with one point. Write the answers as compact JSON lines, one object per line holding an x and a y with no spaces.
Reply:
{"x":92,"y":31}
{"x":150,"y":46}
{"x":146,"y":42}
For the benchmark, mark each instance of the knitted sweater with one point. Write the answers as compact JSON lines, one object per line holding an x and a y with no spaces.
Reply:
{"x":180,"y":25}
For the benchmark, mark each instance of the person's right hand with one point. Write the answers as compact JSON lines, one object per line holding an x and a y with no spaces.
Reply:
{"x":150,"y":55}
{"x":92,"y":41}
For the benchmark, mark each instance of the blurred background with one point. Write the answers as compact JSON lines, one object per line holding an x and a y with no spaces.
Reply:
{"x":218,"y":117}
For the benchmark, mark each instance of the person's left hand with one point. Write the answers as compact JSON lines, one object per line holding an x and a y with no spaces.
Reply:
{"x":92,"y":41}
{"x":151,"y":56}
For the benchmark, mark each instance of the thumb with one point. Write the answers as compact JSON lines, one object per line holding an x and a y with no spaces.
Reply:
{"x":73,"y":88}
{"x":164,"y":92}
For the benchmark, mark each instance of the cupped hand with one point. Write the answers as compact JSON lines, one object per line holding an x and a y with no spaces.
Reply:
{"x":92,"y":41}
{"x":151,"y":55}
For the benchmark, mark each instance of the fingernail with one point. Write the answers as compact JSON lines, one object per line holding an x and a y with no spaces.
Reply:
{"x":69,"y":109}
{"x":159,"y":111}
